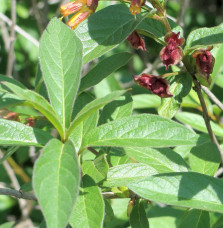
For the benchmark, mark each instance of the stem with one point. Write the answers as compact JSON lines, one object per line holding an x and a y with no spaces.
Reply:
{"x":95,"y":152}
{"x":171,"y":74}
{"x":206,"y":116}
{"x":212,"y":97}
{"x":30,"y":196}
{"x":11,"y":55}
{"x":17,"y":194}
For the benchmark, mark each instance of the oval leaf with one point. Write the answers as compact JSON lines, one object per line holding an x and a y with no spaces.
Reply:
{"x":15,"y":133}
{"x":205,"y":158}
{"x":105,"y":30}
{"x":164,"y":160}
{"x":193,"y":190}
{"x":195,"y":219}
{"x":89,"y":208}
{"x":121,"y":175}
{"x":56,"y":181}
{"x":138,"y":218}
{"x":205,"y":36}
{"x":140,"y":131}
{"x":197,"y":122}
{"x":61,"y":60}
{"x":103,"y":69}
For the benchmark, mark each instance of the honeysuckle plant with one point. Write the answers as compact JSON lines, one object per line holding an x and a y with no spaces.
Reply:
{"x":100,"y":150}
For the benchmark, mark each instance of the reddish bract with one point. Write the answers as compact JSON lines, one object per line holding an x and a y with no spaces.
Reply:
{"x":136,"y":41}
{"x":156,"y":85}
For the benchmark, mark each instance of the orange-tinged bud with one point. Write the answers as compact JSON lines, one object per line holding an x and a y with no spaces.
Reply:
{"x":79,"y":17}
{"x":135,"y":7}
{"x":72,"y":7}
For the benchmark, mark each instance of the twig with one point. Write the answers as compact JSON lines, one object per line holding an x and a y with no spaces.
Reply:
{"x":15,"y":184}
{"x":11,"y":54}
{"x":30,"y":196}
{"x":19,"y":30}
{"x":93,"y":150}
{"x":212,"y":97}
{"x":17,"y":194}
{"x":183,"y":9}
{"x":206,"y":116}
{"x":5,"y":35}
{"x":219,"y":172}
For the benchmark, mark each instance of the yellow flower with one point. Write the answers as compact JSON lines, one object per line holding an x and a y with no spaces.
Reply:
{"x":82,"y":9}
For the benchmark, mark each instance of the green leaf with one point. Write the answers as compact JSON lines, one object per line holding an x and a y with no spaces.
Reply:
{"x":15,"y":133}
{"x":164,"y":160}
{"x":105,"y":30}
{"x":117,"y":156}
{"x":205,"y":158}
{"x":93,"y":107}
{"x":9,"y":99}
{"x":40,"y":86}
{"x":107,"y":86}
{"x":103,"y":69}
{"x":76,"y":136}
{"x":195,"y":219}
{"x":156,"y":30}
{"x":119,"y":108}
{"x":7,"y":225}
{"x":122,"y":175}
{"x":89,"y":208}
{"x":4,"y":79}
{"x":90,"y":123}
{"x":180,"y":87}
{"x":193,"y":190}
{"x":8,"y":153}
{"x":82,"y":100}
{"x":142,"y":101}
{"x":217,"y":52}
{"x":109,"y":213}
{"x":140,"y":131}
{"x":197,"y":122}
{"x":61,"y":67}
{"x":56,"y":181}
{"x":138,"y":218}
{"x":96,"y":169}
{"x":205,"y":36}
{"x":36,"y":101}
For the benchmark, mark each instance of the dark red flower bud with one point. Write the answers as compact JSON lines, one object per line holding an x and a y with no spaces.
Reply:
{"x":171,"y":56}
{"x":11,"y":116}
{"x":136,"y":41}
{"x":155,"y":84}
{"x":30,"y":122}
{"x":172,"y":53}
{"x":173,"y":39}
{"x":204,"y":62}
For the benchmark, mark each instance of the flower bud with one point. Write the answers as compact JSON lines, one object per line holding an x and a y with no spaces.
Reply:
{"x":82,"y":15}
{"x":72,"y":7}
{"x":156,"y":85}
{"x":136,"y":41}
{"x":135,"y":7}
{"x":173,"y":39}
{"x":172,"y":53}
{"x":204,"y":62}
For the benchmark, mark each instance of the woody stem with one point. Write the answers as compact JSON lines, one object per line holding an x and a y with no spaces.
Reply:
{"x":205,"y":115}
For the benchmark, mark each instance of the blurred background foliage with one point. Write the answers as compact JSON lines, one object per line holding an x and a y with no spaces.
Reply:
{"x":33,"y":17}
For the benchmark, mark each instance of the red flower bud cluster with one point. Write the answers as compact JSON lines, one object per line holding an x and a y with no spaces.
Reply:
{"x":82,"y":9}
{"x":136,"y":41}
{"x":172,"y":53}
{"x":155,"y":84}
{"x":204,"y":62}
